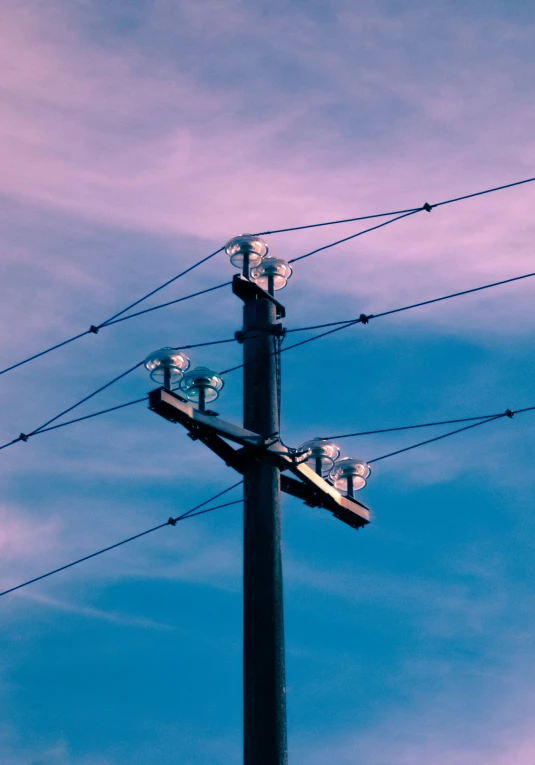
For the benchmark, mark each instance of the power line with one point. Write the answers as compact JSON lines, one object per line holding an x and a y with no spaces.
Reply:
{"x":481,"y":193}
{"x":365,"y":318}
{"x":339,"y":436}
{"x":336,"y":222}
{"x":44,"y":427}
{"x":27,"y":436}
{"x":437,"y":438}
{"x":333,"y":327}
{"x":196,"y":511}
{"x":171,"y":522}
{"x":354,"y":236}
{"x":94,"y":329}
{"x":43,"y":353}
{"x":507,"y":413}
{"x":164,"y":305}
{"x":161,"y":287}
{"x":90,"y":416}
{"x":426,"y":207}
{"x":491,"y":418}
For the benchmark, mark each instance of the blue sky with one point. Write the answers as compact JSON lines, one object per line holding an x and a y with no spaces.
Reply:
{"x":134,"y":140}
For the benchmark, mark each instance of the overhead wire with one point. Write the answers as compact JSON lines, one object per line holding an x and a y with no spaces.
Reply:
{"x":436,"y":438}
{"x":365,"y":318}
{"x":509,"y":413}
{"x":419,"y":208}
{"x":354,"y":236}
{"x":44,"y":428}
{"x":196,"y":510}
{"x":401,"y":428}
{"x":94,"y":329}
{"x":119,"y":316}
{"x":165,"y":305}
{"x":336,"y":222}
{"x":332,"y":327}
{"x":170,"y":522}
{"x":336,"y":326}
{"x":161,"y":287}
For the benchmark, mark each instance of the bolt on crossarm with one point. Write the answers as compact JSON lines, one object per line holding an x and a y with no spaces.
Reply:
{"x":265,"y":740}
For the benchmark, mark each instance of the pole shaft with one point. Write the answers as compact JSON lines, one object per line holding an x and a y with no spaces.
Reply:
{"x":263,"y":650}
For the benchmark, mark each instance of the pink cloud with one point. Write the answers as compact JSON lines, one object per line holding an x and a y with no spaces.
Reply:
{"x":108,"y":137}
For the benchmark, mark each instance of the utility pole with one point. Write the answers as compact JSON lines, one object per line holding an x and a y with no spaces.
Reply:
{"x":268,"y":468}
{"x":264,"y":692}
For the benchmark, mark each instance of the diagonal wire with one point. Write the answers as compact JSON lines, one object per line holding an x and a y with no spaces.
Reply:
{"x":88,"y":416}
{"x":336,"y":326}
{"x":426,"y":207}
{"x":44,"y":428}
{"x":161,"y":287}
{"x":86,"y":398}
{"x":339,"y":436}
{"x":437,"y":438}
{"x":43,"y":353}
{"x":354,"y":236}
{"x":482,"y":193}
{"x":296,"y":345}
{"x":336,"y":222}
{"x":93,"y":330}
{"x":189,"y":514}
{"x":111,"y":322}
{"x":364,"y":319}
{"x":507,"y":413}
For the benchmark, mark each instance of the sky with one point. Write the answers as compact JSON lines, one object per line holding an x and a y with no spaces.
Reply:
{"x":138,"y":137}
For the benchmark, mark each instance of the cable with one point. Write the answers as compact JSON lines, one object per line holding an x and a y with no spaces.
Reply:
{"x":364,"y":319}
{"x":491,"y":418}
{"x":27,"y":436}
{"x":43,"y":353}
{"x":93,"y":330}
{"x":44,"y":427}
{"x":336,"y":222}
{"x":437,"y":438}
{"x":295,"y":345}
{"x":339,"y":436}
{"x":354,"y":236}
{"x":481,"y":193}
{"x":171,"y":522}
{"x":335,"y":327}
{"x":426,"y":207}
{"x":86,"y":398}
{"x":114,"y":319}
{"x":90,"y":416}
{"x":161,"y":287}
{"x":507,"y":413}
{"x":164,"y":305}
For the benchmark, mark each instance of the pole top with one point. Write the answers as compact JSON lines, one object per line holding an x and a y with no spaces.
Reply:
{"x":249,"y":291}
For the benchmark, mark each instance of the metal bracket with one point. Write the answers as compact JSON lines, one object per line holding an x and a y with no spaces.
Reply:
{"x":247,"y":290}
{"x":277,"y":330}
{"x":319,"y":493}
{"x":175,"y":409}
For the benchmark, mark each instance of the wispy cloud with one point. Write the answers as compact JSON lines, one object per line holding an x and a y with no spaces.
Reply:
{"x":77,"y":609}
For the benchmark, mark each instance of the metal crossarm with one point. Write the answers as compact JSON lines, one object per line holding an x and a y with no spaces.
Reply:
{"x":175,"y":409}
{"x":211,"y":430}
